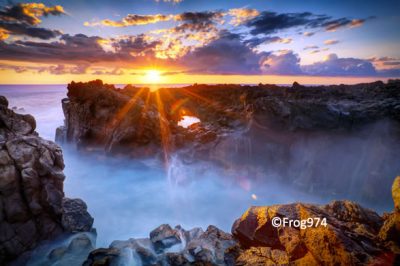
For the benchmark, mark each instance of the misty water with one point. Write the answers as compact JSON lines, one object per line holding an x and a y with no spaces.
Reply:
{"x":129,"y":198}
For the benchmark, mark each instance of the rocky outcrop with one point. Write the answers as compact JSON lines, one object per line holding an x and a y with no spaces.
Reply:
{"x":293,"y":134}
{"x":32,"y":203}
{"x":168,"y":246}
{"x":350,"y":235}
{"x":137,"y":122}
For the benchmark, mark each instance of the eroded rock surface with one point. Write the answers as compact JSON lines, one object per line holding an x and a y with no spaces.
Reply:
{"x":31,"y":187}
{"x":168,"y":246}
{"x":353,"y":235}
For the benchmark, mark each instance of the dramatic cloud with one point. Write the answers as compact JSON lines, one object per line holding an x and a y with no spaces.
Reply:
{"x":22,"y":19}
{"x":335,"y":66}
{"x":331,"y":42}
{"x":28,"y":13}
{"x":236,"y":41}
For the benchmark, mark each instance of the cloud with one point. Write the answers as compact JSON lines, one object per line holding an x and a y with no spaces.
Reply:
{"x":28,"y":13}
{"x":335,"y":66}
{"x":242,"y":15}
{"x":271,"y":22}
{"x":22,"y":19}
{"x":136,"y":20}
{"x":344,"y":22}
{"x":21,"y":29}
{"x":309,"y":47}
{"x":255,"y":41}
{"x":308,"y":34}
{"x":225,"y":55}
{"x":131,"y":20}
{"x":331,"y":42}
{"x":283,"y":62}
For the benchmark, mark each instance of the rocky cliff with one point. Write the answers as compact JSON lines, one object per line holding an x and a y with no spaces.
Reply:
{"x":352,"y":235}
{"x":33,"y":206}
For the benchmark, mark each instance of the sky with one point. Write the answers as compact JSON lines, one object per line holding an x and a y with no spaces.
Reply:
{"x":192,"y":41}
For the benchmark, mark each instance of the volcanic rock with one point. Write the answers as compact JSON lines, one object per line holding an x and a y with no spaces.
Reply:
{"x":31,"y":186}
{"x":168,"y":246}
{"x":352,"y":235}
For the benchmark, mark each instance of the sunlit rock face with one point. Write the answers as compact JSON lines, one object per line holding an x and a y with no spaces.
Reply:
{"x":337,"y":140}
{"x":31,"y":187}
{"x":353,"y":235}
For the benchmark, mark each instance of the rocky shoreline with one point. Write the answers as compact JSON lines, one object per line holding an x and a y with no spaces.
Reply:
{"x":34,"y":208}
{"x":353,"y":235}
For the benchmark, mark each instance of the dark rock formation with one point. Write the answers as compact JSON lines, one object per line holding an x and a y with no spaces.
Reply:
{"x":293,"y":133}
{"x":137,"y":121}
{"x":168,"y":246}
{"x":31,"y":187}
{"x":353,"y":235}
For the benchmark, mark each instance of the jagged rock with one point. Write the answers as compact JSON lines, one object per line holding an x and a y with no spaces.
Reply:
{"x":396,"y":193}
{"x":75,"y":217}
{"x":31,"y":185}
{"x":101,"y":115}
{"x":351,"y":236}
{"x":168,"y":246}
{"x":164,"y":237}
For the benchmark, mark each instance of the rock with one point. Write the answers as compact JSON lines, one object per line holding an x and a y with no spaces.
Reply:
{"x":164,"y":237}
{"x":31,"y":186}
{"x":102,"y":115}
{"x":396,"y":193}
{"x":3,"y":101}
{"x":350,"y":236}
{"x":193,"y":247}
{"x":75,"y":217}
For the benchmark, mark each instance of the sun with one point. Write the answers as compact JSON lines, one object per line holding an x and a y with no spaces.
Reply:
{"x":152,"y":76}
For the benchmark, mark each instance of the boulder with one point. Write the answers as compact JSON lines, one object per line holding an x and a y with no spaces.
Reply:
{"x":75,"y":217}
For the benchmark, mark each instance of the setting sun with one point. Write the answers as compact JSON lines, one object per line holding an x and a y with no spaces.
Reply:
{"x":152,"y":76}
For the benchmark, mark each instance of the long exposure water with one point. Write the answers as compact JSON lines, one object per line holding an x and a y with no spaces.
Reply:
{"x":129,"y":198}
